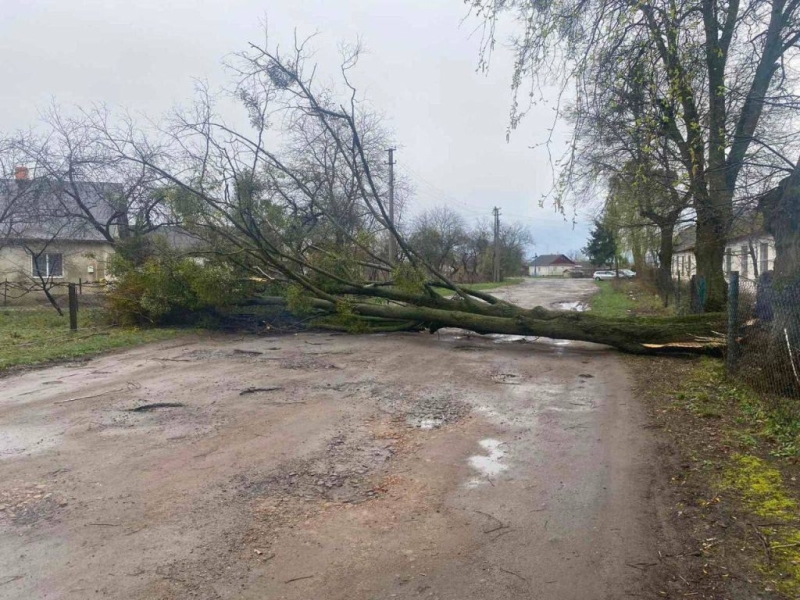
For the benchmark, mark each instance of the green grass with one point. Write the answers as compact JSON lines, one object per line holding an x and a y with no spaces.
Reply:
{"x":34,"y":336}
{"x":487,"y":285}
{"x":625,"y":298}
{"x":611,"y":301}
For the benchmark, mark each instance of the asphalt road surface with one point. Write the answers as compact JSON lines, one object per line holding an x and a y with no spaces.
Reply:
{"x":445,"y":466}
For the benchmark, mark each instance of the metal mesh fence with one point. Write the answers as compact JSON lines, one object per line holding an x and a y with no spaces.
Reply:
{"x":764,"y":339}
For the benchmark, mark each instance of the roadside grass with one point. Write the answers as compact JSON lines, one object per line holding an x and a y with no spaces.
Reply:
{"x":487,"y":285}
{"x":738,"y":478}
{"x":623,"y":298}
{"x":35,"y":336}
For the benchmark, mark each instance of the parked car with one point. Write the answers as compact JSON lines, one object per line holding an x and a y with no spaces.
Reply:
{"x":627,"y":273}
{"x":604,"y":275}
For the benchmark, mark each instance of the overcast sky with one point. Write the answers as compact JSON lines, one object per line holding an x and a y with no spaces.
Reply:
{"x":419,"y":70}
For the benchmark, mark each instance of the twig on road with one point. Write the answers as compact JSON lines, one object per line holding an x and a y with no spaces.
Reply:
{"x":514,"y":574}
{"x":131,"y":385}
{"x":11,"y":579}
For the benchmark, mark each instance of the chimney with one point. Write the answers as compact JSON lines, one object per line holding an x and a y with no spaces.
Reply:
{"x":21,"y":173}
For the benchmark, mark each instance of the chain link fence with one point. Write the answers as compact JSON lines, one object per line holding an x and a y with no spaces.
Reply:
{"x":763,"y":347}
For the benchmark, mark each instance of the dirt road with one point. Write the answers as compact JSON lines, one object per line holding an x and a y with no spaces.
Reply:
{"x":329,"y":466}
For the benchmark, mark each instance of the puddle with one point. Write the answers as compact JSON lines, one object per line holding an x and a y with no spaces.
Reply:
{"x":502,"y":338}
{"x":571,"y":306}
{"x":489,"y":465}
{"x":425,"y":423}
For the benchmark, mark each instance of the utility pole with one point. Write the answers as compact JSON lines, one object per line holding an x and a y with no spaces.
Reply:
{"x":392,"y":240}
{"x":496,"y":268}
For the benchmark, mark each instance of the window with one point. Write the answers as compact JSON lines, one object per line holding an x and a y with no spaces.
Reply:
{"x":764,"y":256}
{"x":728,"y":261}
{"x":47,"y":265}
{"x":744,"y":250}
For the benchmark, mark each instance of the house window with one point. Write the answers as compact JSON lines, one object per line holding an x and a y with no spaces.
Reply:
{"x":744,"y":250}
{"x":47,"y":265}
{"x":764,"y":256}
{"x":728,"y":261}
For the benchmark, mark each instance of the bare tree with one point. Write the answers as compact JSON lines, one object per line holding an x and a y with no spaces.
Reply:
{"x":437,"y":234}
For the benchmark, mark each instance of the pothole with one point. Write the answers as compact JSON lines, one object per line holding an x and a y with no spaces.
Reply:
{"x":487,"y":465}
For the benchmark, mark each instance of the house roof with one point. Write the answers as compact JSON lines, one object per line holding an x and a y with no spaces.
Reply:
{"x":548,"y":260}
{"x":42,"y":209}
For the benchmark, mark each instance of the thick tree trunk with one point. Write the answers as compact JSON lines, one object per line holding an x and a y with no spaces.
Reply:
{"x":634,"y":335}
{"x":664,"y":274}
{"x":713,"y":224}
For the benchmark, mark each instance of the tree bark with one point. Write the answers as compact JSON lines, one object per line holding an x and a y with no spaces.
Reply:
{"x":664,"y":274}
{"x":713,"y":224}
{"x":634,"y":335}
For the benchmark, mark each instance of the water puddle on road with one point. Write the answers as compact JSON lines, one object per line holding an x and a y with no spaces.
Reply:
{"x":488,"y":465}
{"x":571,"y":306}
{"x":425,"y":423}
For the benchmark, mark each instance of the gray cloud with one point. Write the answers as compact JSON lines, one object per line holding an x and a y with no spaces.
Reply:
{"x":419,"y":70}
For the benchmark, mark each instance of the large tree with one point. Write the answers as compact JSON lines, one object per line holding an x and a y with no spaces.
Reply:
{"x":716,"y":73}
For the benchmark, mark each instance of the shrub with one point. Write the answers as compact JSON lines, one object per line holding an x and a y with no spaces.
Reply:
{"x":166,"y":288}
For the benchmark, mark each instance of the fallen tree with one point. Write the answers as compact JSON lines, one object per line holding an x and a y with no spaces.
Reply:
{"x":308,"y":215}
{"x":690,"y":334}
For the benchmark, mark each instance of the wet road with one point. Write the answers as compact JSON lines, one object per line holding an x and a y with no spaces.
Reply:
{"x":445,"y":466}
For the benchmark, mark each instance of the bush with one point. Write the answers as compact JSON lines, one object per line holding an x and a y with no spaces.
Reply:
{"x":170,"y":289}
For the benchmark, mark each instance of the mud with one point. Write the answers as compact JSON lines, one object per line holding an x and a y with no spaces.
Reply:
{"x":445,"y":466}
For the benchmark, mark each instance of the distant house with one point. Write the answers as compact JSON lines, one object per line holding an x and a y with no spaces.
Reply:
{"x":749,"y":250}
{"x":550,"y":265}
{"x":45,"y":235}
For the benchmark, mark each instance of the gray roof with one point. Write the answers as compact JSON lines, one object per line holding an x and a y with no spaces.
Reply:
{"x":547,"y":260}
{"x":45,"y":209}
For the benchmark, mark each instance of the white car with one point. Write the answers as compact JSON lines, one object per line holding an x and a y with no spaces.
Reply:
{"x":604,"y":275}
{"x":627,"y":273}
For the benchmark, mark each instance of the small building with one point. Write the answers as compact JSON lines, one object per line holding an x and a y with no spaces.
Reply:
{"x":46,"y":239}
{"x":749,"y":252}
{"x":551,"y":265}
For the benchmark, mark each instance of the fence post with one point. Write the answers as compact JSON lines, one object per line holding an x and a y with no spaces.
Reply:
{"x":5,"y":292}
{"x":80,"y":285}
{"x":73,"y":307}
{"x":733,"y":321}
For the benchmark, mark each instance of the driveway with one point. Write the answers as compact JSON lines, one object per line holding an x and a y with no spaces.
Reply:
{"x":444,"y":466}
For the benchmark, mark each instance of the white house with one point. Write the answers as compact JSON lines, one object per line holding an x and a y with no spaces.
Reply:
{"x":751,"y":254}
{"x":551,"y":265}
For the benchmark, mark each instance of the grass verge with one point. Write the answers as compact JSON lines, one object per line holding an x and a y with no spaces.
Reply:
{"x":35,"y":336}
{"x":626,"y":297}
{"x":731,"y":475}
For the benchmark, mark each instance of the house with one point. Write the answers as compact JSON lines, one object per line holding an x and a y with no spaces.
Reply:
{"x":749,"y":250}
{"x":46,"y":238}
{"x":551,"y":265}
